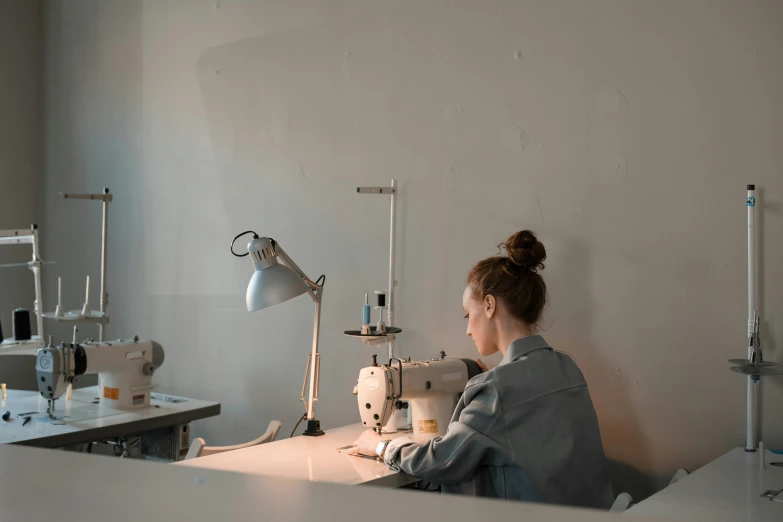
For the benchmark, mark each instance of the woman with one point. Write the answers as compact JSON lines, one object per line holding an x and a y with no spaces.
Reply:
{"x":525,"y":430}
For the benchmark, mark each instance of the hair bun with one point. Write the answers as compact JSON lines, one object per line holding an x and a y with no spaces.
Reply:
{"x":525,"y":250}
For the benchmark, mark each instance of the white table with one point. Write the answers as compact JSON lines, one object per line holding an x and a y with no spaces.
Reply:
{"x":37,"y":484}
{"x":727,"y":489}
{"x":90,"y":422}
{"x":315,"y":459}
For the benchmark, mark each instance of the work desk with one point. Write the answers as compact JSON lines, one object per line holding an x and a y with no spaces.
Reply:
{"x":315,"y":459}
{"x":727,"y":489}
{"x":88,"y":422}
{"x":72,"y":487}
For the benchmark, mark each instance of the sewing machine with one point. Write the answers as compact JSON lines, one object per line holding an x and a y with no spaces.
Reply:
{"x":430,"y":388}
{"x":124,"y":368}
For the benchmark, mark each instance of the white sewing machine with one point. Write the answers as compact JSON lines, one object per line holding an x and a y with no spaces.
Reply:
{"x":431,"y":389}
{"x":124,"y":368}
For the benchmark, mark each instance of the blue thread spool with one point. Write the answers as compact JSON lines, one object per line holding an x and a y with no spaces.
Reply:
{"x":366,"y":310}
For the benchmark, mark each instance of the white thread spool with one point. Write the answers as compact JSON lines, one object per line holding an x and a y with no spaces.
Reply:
{"x":86,"y":307}
{"x":58,"y":312}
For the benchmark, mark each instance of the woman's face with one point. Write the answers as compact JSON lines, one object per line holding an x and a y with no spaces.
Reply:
{"x":481,"y":327}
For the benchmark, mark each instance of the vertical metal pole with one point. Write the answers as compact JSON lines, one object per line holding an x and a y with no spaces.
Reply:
{"x":392,"y":243}
{"x":104,"y":235}
{"x":315,"y":365}
{"x":750,"y":444}
{"x":38,"y":290}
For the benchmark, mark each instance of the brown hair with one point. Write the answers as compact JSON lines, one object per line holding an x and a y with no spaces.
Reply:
{"x":514,"y":278}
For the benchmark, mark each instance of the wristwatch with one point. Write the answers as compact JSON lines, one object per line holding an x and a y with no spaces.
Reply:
{"x":380,"y":449}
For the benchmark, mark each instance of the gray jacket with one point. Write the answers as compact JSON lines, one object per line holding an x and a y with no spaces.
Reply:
{"x":525,"y":430}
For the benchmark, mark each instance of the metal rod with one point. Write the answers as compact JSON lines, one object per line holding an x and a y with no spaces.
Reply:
{"x":20,"y":237}
{"x":392,"y":242}
{"x":304,"y":381}
{"x":29,"y":264}
{"x":375,"y":190}
{"x":104,"y":238}
{"x":106,"y":196}
{"x":753,"y":387}
{"x":19,"y":232}
{"x":38,"y":305}
{"x":317,"y":375}
{"x":313,"y":378}
{"x":313,"y":288}
{"x":36,"y":268}
{"x":16,"y":240}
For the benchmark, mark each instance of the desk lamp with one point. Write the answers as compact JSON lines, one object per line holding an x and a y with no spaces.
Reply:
{"x":274,"y":283}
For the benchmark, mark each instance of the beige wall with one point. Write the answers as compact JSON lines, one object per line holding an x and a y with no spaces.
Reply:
{"x":623,"y":132}
{"x":20,"y":146}
{"x":21,"y":165}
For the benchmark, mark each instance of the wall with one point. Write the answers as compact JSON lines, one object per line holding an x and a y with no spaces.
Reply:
{"x":20,"y":157}
{"x":20,"y":145}
{"x":623,"y":132}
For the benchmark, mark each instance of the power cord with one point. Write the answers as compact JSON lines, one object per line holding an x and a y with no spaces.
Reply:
{"x":297,"y":425}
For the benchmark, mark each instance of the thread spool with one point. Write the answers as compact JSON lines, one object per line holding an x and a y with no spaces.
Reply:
{"x":366,"y":310}
{"x":381,"y":296}
{"x":86,"y":312}
{"x":59,"y":312}
{"x":21,"y":325}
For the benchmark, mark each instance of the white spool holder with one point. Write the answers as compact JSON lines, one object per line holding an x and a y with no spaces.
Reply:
{"x":86,"y":314}
{"x":30,"y":237}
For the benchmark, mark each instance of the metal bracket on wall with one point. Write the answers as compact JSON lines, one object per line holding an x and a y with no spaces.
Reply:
{"x":107,"y":197}
{"x":376,"y":190}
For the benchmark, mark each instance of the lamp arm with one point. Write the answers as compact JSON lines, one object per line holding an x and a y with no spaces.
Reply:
{"x":314,"y":289}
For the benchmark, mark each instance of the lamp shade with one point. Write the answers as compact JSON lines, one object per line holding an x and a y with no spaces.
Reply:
{"x":272,"y":283}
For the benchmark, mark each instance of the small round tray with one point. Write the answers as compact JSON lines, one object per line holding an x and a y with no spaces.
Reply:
{"x":358,"y":333}
{"x":745,"y":362}
{"x":76,"y":316}
{"x":751,"y":369}
{"x":13,"y":342}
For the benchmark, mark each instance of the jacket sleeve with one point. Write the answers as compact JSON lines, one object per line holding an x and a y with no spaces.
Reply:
{"x":467,"y":444}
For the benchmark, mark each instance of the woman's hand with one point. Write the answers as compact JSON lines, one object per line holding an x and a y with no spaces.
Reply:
{"x":366,"y":444}
{"x":481,"y":365}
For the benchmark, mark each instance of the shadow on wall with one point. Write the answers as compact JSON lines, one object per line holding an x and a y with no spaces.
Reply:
{"x":768,"y":209}
{"x":772,"y":387}
{"x":620,"y":429}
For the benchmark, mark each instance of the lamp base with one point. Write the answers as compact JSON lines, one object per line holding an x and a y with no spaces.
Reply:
{"x":313,"y":428}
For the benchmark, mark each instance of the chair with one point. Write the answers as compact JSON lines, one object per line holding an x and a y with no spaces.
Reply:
{"x":681,"y":474}
{"x":198,"y":447}
{"x":621,"y":503}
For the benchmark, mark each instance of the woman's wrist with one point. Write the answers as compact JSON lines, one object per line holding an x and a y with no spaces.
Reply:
{"x":380,"y":449}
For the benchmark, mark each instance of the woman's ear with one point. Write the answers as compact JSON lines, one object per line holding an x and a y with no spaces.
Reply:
{"x":490,"y":306}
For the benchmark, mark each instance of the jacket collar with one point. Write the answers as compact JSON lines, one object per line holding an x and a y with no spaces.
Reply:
{"x":524,"y":346}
